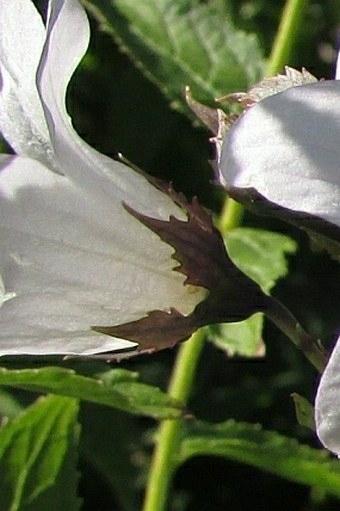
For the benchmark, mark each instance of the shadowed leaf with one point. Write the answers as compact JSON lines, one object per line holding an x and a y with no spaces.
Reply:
{"x":38,"y":458}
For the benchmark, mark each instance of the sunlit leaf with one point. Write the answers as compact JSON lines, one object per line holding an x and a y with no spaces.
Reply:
{"x":243,"y":338}
{"x":265,"y":450}
{"x":183,"y":43}
{"x":117,"y":388}
{"x":260,"y":254}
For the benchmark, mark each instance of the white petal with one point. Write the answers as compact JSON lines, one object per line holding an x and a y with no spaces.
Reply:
{"x":22,"y":119}
{"x":337,"y":67}
{"x":68,"y":35}
{"x":287,"y":148}
{"x":71,"y":253}
{"x":74,"y":261}
{"x":327,"y":403}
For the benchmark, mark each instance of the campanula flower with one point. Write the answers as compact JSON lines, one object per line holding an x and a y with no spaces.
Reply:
{"x":281,"y":157}
{"x":95,"y":256}
{"x":72,"y":256}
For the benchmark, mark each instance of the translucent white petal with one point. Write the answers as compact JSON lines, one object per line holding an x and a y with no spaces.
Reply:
{"x":22,"y":120}
{"x":74,"y":261}
{"x":68,"y":35}
{"x":71,"y":255}
{"x":327,"y":403}
{"x":287,"y":148}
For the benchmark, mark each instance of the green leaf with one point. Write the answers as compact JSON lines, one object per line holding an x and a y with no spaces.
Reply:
{"x":262,"y":256}
{"x":243,"y":338}
{"x":9,"y":406}
{"x":116,"y":387}
{"x":265,"y":450}
{"x":180,"y":43}
{"x":38,"y":458}
{"x":304,"y":411}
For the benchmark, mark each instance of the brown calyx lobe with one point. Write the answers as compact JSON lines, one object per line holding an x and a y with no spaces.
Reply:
{"x":202,"y":258}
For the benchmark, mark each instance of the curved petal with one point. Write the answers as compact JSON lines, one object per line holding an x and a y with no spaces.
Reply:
{"x":74,"y":262}
{"x":327,"y":404}
{"x":72,"y":255}
{"x":22,"y":119}
{"x":67,"y":39}
{"x":287,"y":148}
{"x":112,"y":180}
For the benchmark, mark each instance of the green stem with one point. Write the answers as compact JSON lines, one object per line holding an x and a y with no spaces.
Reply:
{"x":286,"y":35}
{"x":231,"y":215}
{"x":288,"y":324}
{"x":164,"y":460}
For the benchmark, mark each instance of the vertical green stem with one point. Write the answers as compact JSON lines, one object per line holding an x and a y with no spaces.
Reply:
{"x":164,"y":460}
{"x":168,"y":436}
{"x":231,"y":215}
{"x":285,"y":37}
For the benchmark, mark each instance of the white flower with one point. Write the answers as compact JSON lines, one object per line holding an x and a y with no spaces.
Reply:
{"x":286,"y":150}
{"x":94,"y":255}
{"x":327,"y":403}
{"x":283,"y":155}
{"x":71,"y":255}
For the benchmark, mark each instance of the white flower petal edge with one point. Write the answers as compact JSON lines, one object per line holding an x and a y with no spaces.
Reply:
{"x":68,"y":28}
{"x":337,"y":67}
{"x":327,"y":403}
{"x":72,"y":256}
{"x":21,"y":44}
{"x":287,"y":148}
